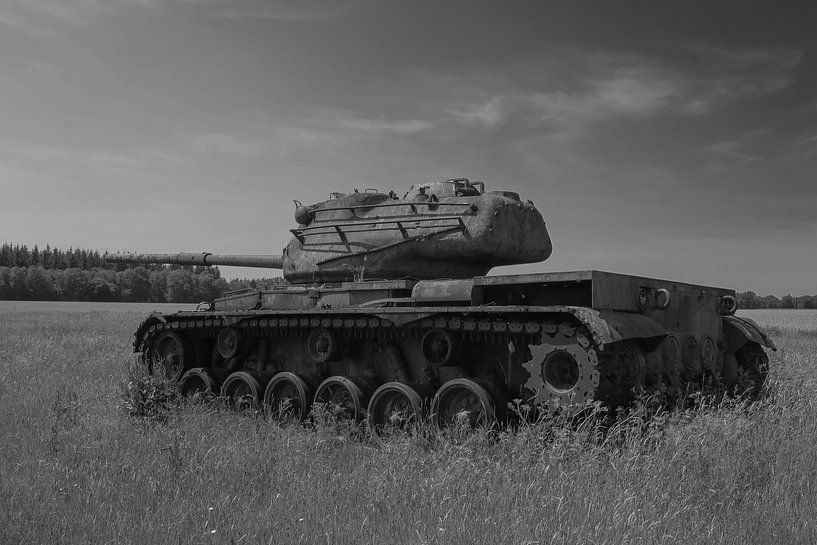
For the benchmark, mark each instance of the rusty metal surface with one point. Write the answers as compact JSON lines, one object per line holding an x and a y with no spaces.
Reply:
{"x":443,"y":290}
{"x":388,"y":281}
{"x":687,"y":309}
{"x":565,"y":339}
{"x":609,"y":290}
{"x":534,"y":278}
{"x":442,"y":230}
{"x":738,"y":330}
{"x":605,"y":326}
{"x":202,"y":259}
{"x":383,"y":290}
{"x":449,"y":229}
{"x":245,"y":301}
{"x":492,"y":334}
{"x":609,"y":326}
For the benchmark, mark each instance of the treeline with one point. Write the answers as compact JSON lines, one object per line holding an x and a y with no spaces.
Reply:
{"x":76,"y":274}
{"x":749,"y":299}
{"x":20,"y":255}
{"x":82,"y":275}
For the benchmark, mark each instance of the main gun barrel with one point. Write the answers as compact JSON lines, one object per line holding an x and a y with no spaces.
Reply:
{"x":204,"y":259}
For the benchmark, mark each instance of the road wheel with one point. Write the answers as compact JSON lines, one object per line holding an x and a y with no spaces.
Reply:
{"x":464,"y":402}
{"x":169,"y":355}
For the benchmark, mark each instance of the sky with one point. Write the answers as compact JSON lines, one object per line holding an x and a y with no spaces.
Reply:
{"x":668,"y":139}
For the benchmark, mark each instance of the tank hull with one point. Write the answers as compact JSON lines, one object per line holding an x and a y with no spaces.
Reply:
{"x":462,"y":347}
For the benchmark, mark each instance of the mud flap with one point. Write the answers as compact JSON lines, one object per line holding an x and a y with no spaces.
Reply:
{"x":739,"y":331}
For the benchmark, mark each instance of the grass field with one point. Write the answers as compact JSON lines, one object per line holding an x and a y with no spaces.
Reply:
{"x":74,"y":468}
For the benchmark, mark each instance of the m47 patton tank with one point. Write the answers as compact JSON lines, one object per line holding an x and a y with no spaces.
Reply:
{"x":387,"y":314}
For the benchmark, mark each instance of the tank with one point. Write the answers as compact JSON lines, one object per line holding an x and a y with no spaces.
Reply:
{"x":387,"y":315}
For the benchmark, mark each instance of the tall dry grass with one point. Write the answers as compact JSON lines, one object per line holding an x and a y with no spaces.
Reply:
{"x":74,"y":468}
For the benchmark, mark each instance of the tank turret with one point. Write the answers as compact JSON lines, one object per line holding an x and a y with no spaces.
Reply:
{"x":450,"y":229}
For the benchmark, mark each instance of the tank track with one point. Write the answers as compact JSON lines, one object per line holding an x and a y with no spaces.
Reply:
{"x":352,"y":326}
{"x":551,"y":360}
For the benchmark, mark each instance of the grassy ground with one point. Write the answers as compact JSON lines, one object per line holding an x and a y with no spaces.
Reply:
{"x":75,"y":469}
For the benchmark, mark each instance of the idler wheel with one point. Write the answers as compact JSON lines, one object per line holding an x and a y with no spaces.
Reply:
{"x":243,"y":391}
{"x":344,"y":397}
{"x":396,"y":406}
{"x":288,"y":397}
{"x":200,"y":381}
{"x":168,"y":355}
{"x":229,"y":342}
{"x":322,"y":345}
{"x":463,"y":402}
{"x":439,"y":346}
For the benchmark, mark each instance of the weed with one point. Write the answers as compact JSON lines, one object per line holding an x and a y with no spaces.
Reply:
{"x":149,"y":397}
{"x":331,"y":419}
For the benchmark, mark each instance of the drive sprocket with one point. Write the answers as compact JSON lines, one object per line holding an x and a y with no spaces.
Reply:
{"x":563,"y":369}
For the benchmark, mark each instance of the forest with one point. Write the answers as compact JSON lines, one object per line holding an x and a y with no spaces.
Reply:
{"x":52,"y":274}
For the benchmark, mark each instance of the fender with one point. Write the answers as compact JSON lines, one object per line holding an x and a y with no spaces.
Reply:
{"x":609,"y":326}
{"x":605,"y":326}
{"x":739,"y":331}
{"x":148,"y":327}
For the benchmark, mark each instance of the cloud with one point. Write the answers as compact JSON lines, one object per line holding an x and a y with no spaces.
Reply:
{"x":628,"y":91}
{"x":273,"y":10}
{"x":737,"y":151}
{"x":634,"y":90}
{"x":46,"y":19}
{"x":307,"y":137}
{"x":809,"y":141}
{"x":382,"y":125}
{"x":292,"y":12}
{"x":324,"y":131}
{"x":21,"y":24}
{"x":71,"y":13}
{"x":489,"y":113}
{"x":600,"y":87}
{"x":209,"y":143}
{"x":728,"y":154}
{"x":36,"y":18}
{"x":725,"y":75}
{"x":50,"y":154}
{"x":804,"y":149}
{"x":76,"y":12}
{"x":64,"y":159}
